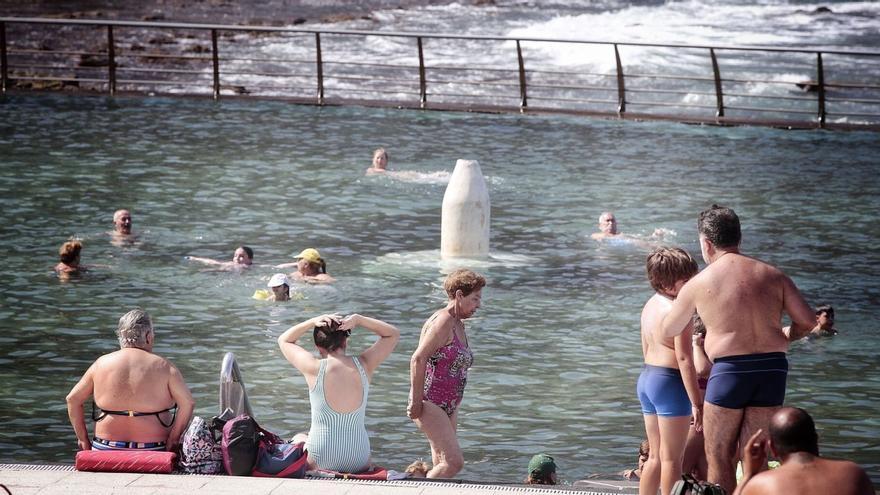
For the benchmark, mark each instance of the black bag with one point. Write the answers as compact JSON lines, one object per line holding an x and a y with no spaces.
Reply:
{"x":688,"y":485}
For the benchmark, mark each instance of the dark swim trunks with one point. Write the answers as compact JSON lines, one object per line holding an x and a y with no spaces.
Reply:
{"x":750,"y":380}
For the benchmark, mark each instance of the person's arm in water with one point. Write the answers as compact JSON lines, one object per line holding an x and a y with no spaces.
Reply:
{"x":682,"y":311}
{"x":684,"y":356}
{"x":295,"y":354}
{"x":207,"y":261}
{"x":435,"y":336}
{"x":185,"y":405}
{"x":286,"y":265}
{"x":382,"y":348}
{"x":78,"y":395}
{"x":803,"y":319}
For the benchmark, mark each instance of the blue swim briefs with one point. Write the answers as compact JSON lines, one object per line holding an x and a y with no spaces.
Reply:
{"x":661,"y":392}
{"x":750,"y":380}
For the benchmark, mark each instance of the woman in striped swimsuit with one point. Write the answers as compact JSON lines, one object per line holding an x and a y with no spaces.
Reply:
{"x":339,"y":385}
{"x":438,"y":371}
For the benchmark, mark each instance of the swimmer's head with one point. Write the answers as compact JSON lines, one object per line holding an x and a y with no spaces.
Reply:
{"x":280,"y":286}
{"x":669,"y":268}
{"x":380,"y":158}
{"x":329,"y":337}
{"x":542,"y":470}
{"x":607,"y":223}
{"x":720,"y":226}
{"x":243,"y":255}
{"x":122,"y":221}
{"x":825,"y":316}
{"x":310,"y":262}
{"x":69,"y":252}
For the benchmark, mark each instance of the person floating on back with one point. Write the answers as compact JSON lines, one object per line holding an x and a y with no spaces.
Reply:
{"x":667,"y":388}
{"x":135,"y":393}
{"x":741,"y":301}
{"x":242,"y":258}
{"x":794,"y":441}
{"x":339,"y":385}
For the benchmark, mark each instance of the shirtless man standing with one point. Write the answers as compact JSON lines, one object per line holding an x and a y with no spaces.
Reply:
{"x":741,"y":301}
{"x":134,"y":392}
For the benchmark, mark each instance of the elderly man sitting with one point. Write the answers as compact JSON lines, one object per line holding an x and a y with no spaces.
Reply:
{"x":135,"y":393}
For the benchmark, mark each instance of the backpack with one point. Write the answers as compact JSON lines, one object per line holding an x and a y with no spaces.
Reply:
{"x":281,"y":460}
{"x":688,"y":485}
{"x":240,"y":444}
{"x":199,"y":450}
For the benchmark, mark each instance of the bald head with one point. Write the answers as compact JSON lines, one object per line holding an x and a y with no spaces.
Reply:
{"x":792,"y":430}
{"x":122,"y":221}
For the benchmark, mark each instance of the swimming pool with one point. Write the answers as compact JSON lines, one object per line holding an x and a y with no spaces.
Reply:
{"x":556,"y":341}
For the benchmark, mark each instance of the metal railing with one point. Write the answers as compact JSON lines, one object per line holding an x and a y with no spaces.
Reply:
{"x":693,"y":83}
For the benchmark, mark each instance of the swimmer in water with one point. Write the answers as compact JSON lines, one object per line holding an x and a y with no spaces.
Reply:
{"x":380,"y":162}
{"x":608,"y":232}
{"x":69,"y":259}
{"x":310,"y":267}
{"x":121,"y":234}
{"x":279,"y":289}
{"x":242,"y":258}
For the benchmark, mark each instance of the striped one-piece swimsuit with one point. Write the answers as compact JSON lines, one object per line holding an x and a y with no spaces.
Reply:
{"x":338,"y":441}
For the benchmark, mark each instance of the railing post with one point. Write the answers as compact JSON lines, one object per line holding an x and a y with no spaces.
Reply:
{"x":820,"y":80}
{"x":111,"y":60}
{"x":423,"y":86}
{"x":621,"y":90}
{"x":523,"y":97}
{"x":216,"y":61}
{"x":320,"y":66}
{"x":719,"y":94}
{"x":4,"y":75}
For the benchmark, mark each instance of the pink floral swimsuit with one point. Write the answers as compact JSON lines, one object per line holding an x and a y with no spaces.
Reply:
{"x":446,"y":375}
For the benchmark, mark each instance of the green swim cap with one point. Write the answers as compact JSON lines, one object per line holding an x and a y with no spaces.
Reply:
{"x":542,"y":466}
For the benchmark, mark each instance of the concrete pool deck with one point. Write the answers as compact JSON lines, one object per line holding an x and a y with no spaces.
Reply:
{"x":48,"y":479}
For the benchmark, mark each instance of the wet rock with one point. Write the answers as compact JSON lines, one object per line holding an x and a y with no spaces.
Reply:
{"x":197,"y":49}
{"x":93,"y":61}
{"x":808,"y":86}
{"x":490,"y":3}
{"x":136,"y":47}
{"x":299,"y":20}
{"x":823,"y":10}
{"x":162,"y":40}
{"x":154,"y":17}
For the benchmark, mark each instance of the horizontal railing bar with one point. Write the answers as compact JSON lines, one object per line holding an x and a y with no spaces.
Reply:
{"x":398,"y":34}
{"x":477,"y":68}
{"x":512,"y":97}
{"x":14,"y":51}
{"x":373,"y":64}
{"x":267,"y":74}
{"x":566,"y":73}
{"x":149,"y":82}
{"x":161,"y":55}
{"x":851,"y":85}
{"x":778,"y":110}
{"x":273,"y":87}
{"x":555,"y":86}
{"x":664,"y":76}
{"x":354,"y":90}
{"x":670,"y":91}
{"x":57,"y":67}
{"x":361,"y":78}
{"x":664,"y":104}
{"x":471,"y":83}
{"x":766,"y":81}
{"x":869,"y":101}
{"x":585,"y":100}
{"x":272,"y":60}
{"x":772,"y":97}
{"x":854,"y":114}
{"x":47,"y":78}
{"x":164,"y":71}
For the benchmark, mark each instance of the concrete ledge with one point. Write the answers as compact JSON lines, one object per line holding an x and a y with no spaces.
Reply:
{"x":48,"y":479}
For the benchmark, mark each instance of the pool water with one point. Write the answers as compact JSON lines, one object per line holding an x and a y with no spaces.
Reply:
{"x":556,"y":341}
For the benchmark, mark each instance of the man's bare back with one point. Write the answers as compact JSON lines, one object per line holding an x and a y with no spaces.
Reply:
{"x":811,"y":476}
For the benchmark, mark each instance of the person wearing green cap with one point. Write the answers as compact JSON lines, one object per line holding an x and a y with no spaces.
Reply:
{"x":542,"y":470}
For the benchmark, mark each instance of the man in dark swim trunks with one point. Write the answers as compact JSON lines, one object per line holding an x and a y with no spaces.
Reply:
{"x":135,"y":392}
{"x":741,"y":301}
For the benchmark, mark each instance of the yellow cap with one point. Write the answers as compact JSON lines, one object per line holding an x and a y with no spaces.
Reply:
{"x":311,"y":255}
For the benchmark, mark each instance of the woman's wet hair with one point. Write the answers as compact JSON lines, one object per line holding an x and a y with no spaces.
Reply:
{"x":329,"y":337}
{"x":69,"y":251}
{"x":463,"y":280}
{"x":720,"y":226}
{"x":666,"y":266}
{"x":249,"y":251}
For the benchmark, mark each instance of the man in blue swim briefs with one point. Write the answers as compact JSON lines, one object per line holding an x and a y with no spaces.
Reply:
{"x":741,"y":301}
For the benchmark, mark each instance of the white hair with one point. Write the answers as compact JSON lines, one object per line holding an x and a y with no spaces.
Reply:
{"x":133,"y":329}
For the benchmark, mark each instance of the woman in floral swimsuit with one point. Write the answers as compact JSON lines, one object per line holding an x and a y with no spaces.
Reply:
{"x":438,"y":371}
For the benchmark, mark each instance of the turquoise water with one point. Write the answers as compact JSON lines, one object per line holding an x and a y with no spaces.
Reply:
{"x":556,"y":341}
